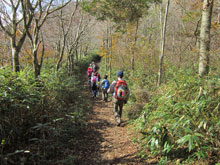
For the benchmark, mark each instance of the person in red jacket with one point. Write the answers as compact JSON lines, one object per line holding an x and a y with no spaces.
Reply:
{"x":89,"y":73}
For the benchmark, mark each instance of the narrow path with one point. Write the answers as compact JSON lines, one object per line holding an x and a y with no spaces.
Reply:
{"x":102,"y":142}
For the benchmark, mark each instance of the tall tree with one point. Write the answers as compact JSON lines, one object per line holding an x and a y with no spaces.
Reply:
{"x":40,"y":16}
{"x":75,"y":40}
{"x":205,"y":37}
{"x":163,"y":37}
{"x":64,"y":31}
{"x":15,"y":26}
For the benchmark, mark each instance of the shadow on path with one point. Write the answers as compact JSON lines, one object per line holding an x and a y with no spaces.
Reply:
{"x":102,"y":142}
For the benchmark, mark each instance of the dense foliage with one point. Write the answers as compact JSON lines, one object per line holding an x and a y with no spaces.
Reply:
{"x":40,"y":119}
{"x":178,"y":122}
{"x":121,"y":12}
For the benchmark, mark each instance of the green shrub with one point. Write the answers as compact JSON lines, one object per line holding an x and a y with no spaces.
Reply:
{"x":178,"y":118}
{"x":40,"y":118}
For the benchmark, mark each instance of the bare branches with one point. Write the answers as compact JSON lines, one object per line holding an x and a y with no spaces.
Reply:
{"x":17,"y":5}
{"x":73,"y":13}
{"x":49,"y":11}
{"x":6,"y":2}
{"x":9,"y":18}
{"x":40,"y":13}
{"x":4,"y":29}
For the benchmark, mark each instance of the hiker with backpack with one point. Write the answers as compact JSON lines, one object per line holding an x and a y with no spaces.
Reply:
{"x":89,"y":73}
{"x":104,"y":87}
{"x":121,"y":94}
{"x":94,"y":85}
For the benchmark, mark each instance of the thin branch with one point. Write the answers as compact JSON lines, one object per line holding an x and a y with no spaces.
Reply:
{"x":12,"y":4}
{"x":17,"y":5}
{"x":73,"y":13}
{"x":6,"y":2}
{"x":197,"y":26}
{"x":50,"y":12}
{"x":60,"y":7}
{"x":4,"y":29}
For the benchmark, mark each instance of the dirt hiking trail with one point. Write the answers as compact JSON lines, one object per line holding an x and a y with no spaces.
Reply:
{"x":104,"y":143}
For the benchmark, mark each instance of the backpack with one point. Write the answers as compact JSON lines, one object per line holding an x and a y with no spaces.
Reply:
{"x":121,"y":90}
{"x":94,"y":79}
{"x":106,"y":84}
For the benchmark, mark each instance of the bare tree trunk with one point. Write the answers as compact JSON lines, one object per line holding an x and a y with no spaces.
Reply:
{"x":218,"y":10}
{"x":15,"y":60}
{"x":62,"y":42}
{"x":61,"y":53}
{"x":163,"y":31}
{"x":16,"y":41}
{"x":81,"y":52}
{"x":35,"y":64}
{"x":104,"y":47}
{"x":72,"y":62}
{"x":64,"y":33}
{"x":110,"y":58}
{"x":135,"y":42}
{"x":77,"y":54}
{"x":35,"y":43}
{"x":16,"y":48}
{"x":173,"y":43}
{"x":86,"y":51}
{"x":205,"y":37}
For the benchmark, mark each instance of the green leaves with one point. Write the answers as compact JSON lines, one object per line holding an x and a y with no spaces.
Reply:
{"x":3,"y":142}
{"x":43,"y":114}
{"x":202,"y":152}
{"x":175,"y":119}
{"x":121,"y":12}
{"x":191,"y":139}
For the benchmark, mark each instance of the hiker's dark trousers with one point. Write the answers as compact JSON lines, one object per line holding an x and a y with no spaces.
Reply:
{"x":117,"y":110}
{"x":94,"y":90}
{"x":104,"y":94}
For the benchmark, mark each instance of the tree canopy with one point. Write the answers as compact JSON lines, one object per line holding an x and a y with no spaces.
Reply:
{"x":120,"y":12}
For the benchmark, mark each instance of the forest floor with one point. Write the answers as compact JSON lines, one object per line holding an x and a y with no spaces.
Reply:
{"x":102,"y":142}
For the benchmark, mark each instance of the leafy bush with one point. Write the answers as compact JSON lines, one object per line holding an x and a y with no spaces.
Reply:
{"x":179,"y":118}
{"x":40,"y":118}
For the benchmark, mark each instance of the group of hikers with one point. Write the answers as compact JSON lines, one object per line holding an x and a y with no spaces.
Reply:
{"x":118,"y":89}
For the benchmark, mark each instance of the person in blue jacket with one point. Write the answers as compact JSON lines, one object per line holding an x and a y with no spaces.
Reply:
{"x":104,"y":86}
